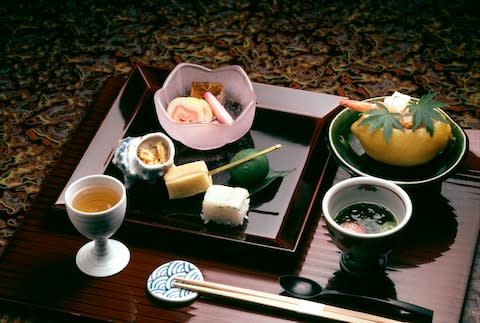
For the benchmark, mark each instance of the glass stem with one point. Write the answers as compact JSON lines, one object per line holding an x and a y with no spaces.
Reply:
{"x":101,"y":247}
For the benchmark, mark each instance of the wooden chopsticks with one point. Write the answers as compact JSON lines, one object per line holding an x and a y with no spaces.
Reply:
{"x":279,"y":301}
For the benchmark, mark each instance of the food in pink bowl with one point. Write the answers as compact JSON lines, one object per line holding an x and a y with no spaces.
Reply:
{"x":206,"y":108}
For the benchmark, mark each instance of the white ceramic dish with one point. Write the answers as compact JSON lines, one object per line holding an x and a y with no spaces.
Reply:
{"x":159,"y":283}
{"x":205,"y":136}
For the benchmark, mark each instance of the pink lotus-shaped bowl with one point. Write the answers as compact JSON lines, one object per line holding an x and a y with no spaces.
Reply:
{"x":205,"y":136}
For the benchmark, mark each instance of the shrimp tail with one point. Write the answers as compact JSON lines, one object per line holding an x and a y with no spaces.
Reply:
{"x":359,"y":106}
{"x":407,"y":121}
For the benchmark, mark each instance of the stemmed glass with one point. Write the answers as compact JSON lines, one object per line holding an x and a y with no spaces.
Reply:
{"x":96,"y":206}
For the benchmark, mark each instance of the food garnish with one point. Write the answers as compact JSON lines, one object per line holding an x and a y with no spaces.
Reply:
{"x":382,"y":118}
{"x":400,"y":131}
{"x":380,"y":115}
{"x":221,"y":114}
{"x":424,"y":112}
{"x":272,"y":176}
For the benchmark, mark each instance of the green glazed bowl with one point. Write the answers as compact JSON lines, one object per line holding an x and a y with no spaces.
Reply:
{"x":349,"y":153}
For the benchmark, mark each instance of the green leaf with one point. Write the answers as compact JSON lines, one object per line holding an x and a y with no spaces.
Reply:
{"x":424,"y":112}
{"x":382,"y":118}
{"x":272,"y":176}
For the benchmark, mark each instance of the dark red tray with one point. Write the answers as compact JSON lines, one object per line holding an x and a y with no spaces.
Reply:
{"x":278,"y":215}
{"x":38,"y":273}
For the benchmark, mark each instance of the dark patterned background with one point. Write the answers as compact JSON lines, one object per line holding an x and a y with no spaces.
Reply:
{"x":56,"y":55}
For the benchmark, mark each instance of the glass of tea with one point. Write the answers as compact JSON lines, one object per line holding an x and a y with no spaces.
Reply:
{"x":365,"y":216}
{"x":96,"y":206}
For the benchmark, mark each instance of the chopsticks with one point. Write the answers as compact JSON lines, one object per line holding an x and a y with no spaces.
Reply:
{"x":279,"y":301}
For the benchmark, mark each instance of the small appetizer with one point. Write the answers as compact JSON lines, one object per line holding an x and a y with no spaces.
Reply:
{"x":194,"y":178}
{"x":187,"y":180}
{"x":145,"y":158}
{"x":189,"y":109}
{"x":221,"y":114}
{"x":401,"y":131}
{"x":152,"y":153}
{"x":225,"y":205}
{"x":199,"y":88}
{"x":251,"y":172}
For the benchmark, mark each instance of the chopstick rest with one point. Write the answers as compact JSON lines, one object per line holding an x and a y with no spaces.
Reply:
{"x":159,"y":283}
{"x":278,"y":301}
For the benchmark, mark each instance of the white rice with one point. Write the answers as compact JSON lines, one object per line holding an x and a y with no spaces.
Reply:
{"x":225,"y":205}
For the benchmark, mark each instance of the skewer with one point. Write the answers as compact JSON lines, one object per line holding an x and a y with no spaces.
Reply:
{"x":244,"y":159}
{"x":279,"y":301}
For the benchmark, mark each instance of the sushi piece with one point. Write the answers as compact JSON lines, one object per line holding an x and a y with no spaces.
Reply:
{"x":225,"y":205}
{"x":189,"y":109}
{"x":187,"y":180}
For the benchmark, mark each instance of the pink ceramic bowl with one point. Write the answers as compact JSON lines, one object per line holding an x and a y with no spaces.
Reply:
{"x":204,"y":136}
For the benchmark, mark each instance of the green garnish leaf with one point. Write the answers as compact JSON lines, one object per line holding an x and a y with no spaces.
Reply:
{"x":272,"y":176}
{"x":424,"y":112}
{"x":382,"y":118}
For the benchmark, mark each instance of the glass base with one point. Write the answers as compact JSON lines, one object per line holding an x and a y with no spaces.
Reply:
{"x":112,"y":262}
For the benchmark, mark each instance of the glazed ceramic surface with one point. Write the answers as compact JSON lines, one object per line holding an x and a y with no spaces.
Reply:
{"x":204,"y":136}
{"x":350,"y":154}
{"x":362,"y":252}
{"x":133,"y":168}
{"x":101,"y":257}
{"x":159,"y":283}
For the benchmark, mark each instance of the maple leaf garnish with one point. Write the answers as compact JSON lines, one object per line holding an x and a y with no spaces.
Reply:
{"x":382,"y":118}
{"x":424,"y":112}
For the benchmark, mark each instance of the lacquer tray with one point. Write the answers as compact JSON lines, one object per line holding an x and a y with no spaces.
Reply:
{"x":38,"y":275}
{"x":279,"y":214}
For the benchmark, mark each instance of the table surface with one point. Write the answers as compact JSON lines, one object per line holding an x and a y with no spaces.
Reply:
{"x":429,"y":269}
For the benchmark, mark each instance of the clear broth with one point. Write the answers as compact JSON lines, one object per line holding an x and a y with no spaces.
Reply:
{"x":95,"y":198}
{"x":366,"y":218}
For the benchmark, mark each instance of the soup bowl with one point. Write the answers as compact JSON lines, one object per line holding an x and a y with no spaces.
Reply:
{"x":365,"y":253}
